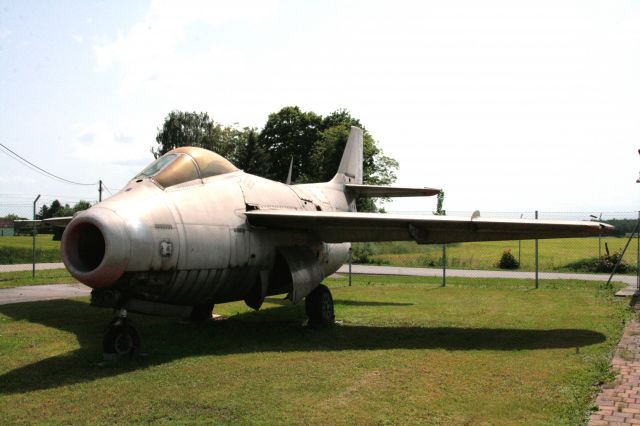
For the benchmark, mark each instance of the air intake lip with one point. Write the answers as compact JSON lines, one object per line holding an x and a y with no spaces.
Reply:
{"x":86,"y":247}
{"x":95,"y":247}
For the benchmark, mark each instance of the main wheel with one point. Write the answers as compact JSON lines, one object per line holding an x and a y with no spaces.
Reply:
{"x":120,"y":340}
{"x":319,"y":306}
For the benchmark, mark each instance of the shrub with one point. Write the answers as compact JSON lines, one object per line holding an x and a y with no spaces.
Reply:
{"x":508,"y":261}
{"x":605,"y":263}
{"x":363,"y":253}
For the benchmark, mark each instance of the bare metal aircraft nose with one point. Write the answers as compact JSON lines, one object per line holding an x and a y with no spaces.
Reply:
{"x":95,"y":247}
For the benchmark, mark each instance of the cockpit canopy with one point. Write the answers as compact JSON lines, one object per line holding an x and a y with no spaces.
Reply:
{"x":185,"y":164}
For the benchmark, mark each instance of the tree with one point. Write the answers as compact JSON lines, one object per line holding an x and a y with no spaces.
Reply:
{"x":252,"y":158}
{"x":198,"y":129}
{"x":315,"y":144}
{"x":290,"y":133}
{"x":58,"y":210}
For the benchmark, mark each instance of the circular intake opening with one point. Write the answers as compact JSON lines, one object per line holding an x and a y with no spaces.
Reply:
{"x":85,"y":247}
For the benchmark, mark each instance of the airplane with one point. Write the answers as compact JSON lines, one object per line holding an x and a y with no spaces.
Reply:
{"x":192,"y":230}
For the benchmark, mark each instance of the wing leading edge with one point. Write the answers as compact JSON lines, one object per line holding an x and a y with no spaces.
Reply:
{"x":337,"y":227}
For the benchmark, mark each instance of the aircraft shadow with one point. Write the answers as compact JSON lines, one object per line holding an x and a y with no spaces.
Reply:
{"x":276,"y":329}
{"x":283,"y":302}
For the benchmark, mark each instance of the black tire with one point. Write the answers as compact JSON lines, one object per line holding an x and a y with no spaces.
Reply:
{"x":319,"y":307}
{"x":121,"y":340}
{"x":202,"y":312}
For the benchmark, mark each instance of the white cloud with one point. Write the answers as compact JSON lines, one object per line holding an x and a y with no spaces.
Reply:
{"x":4,"y":33}
{"x":78,"y":38}
{"x":502,"y":104}
{"x":99,"y":143}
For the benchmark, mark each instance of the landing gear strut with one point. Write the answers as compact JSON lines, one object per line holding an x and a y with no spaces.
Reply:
{"x":319,"y":307}
{"x":121,"y":339}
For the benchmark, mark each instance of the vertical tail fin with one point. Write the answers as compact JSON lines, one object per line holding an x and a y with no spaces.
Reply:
{"x":350,"y":169}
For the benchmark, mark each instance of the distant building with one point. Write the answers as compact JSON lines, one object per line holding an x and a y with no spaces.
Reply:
{"x":6,"y":228}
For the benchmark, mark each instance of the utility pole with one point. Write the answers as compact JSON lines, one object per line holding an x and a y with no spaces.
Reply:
{"x":35,"y":230}
{"x":100,"y":190}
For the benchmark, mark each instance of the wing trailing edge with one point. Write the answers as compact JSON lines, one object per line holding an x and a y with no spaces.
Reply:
{"x":338,"y":227}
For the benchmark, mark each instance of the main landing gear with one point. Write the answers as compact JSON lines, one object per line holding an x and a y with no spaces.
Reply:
{"x":121,"y":339}
{"x":319,"y":307}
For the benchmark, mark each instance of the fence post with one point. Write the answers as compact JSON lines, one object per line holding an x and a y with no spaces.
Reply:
{"x":537,"y":282}
{"x":638,"y":253}
{"x":350,"y":251}
{"x":35,"y":230}
{"x":444,"y":265}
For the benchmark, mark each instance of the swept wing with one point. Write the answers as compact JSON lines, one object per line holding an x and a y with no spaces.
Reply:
{"x":336,"y":227}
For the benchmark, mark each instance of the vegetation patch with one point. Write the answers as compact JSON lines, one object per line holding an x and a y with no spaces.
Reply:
{"x":24,"y":278}
{"x":508,"y":261}
{"x":406,"y":351}
{"x":606,"y":263}
{"x":16,"y":250}
{"x":554,"y":254}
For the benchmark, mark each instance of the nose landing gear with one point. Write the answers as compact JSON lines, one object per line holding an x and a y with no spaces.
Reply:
{"x":121,"y":339}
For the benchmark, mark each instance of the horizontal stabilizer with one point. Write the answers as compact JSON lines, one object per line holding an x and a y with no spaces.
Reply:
{"x":389,"y":191}
{"x":338,"y":227}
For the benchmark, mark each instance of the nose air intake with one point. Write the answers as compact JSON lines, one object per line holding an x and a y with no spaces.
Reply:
{"x":85,"y":247}
{"x":95,"y":247}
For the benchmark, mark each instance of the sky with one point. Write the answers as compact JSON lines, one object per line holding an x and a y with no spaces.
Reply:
{"x":507,"y":106}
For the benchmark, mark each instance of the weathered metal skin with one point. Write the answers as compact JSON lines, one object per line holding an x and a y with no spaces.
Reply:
{"x":181,"y":245}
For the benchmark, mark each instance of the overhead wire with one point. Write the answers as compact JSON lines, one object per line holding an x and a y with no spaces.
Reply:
{"x":104,"y":185}
{"x":7,"y":151}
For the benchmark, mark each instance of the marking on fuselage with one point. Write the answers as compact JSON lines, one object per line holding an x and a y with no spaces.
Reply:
{"x":163,"y":226}
{"x":166,"y":248}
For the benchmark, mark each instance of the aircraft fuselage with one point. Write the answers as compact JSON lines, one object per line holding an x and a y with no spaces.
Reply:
{"x":191,"y":244}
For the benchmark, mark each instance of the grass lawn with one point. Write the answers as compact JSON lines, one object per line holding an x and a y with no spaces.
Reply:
{"x":406,"y":351}
{"x":15,"y":250}
{"x":22,"y":278}
{"x":554,"y":254}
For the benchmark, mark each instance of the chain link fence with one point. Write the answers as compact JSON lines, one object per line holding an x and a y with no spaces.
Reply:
{"x":591,"y":255}
{"x":576,"y":255}
{"x":18,"y":247}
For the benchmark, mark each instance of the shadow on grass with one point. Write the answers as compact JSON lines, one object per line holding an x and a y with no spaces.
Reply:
{"x":284,"y":302}
{"x":277,"y":329}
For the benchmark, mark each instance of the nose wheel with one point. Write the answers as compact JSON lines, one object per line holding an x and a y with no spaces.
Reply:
{"x":121,"y":339}
{"x":319,"y":307}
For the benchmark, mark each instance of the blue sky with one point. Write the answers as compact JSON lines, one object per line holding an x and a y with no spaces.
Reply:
{"x":508,"y":106}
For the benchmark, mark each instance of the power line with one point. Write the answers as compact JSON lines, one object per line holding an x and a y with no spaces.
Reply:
{"x":104,"y":185}
{"x":40,"y":170}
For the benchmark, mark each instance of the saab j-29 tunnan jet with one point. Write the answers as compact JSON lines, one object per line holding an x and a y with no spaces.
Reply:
{"x":192,"y":230}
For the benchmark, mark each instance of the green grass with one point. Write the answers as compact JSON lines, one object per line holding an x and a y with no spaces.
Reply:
{"x":24,"y":278}
{"x":406,"y":351}
{"x":554,"y":254}
{"x":14,"y":250}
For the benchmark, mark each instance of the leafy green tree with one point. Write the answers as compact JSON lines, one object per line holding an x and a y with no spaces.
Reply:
{"x":198,"y":129}
{"x":315,"y":144}
{"x":290,"y":133}
{"x":81,"y":205}
{"x":10,"y":216}
{"x":252,"y":157}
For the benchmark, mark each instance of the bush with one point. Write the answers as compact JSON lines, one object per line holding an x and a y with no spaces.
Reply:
{"x":508,"y":261}
{"x":605,"y":263}
{"x":363,"y":253}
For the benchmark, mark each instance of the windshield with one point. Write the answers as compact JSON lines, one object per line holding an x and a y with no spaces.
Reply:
{"x":185,"y":164}
{"x":158,"y":165}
